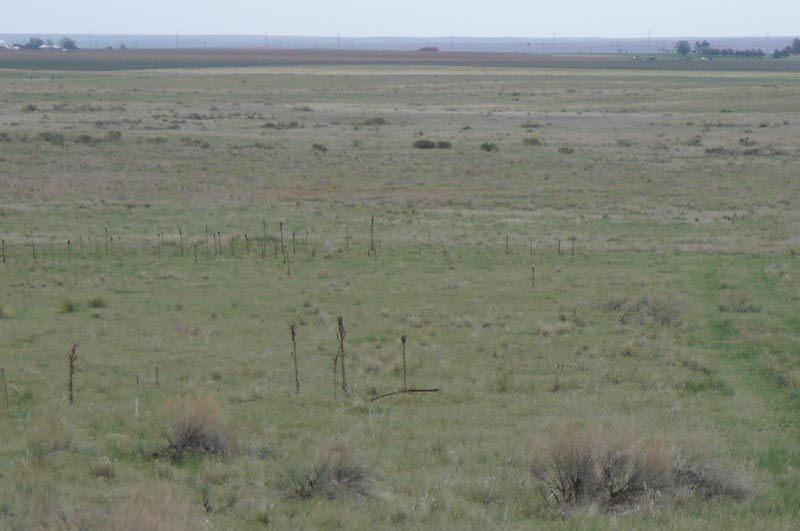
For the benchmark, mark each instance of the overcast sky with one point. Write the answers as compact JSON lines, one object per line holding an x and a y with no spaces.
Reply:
{"x":520,"y":18}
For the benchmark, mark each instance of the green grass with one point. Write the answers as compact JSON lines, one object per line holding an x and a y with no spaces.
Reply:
{"x":663,"y":231}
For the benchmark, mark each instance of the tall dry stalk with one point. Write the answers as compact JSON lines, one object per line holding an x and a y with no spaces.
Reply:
{"x":5,"y":386}
{"x":372,"y":235}
{"x":180,"y":235}
{"x":283,"y":247}
{"x":4,"y":250}
{"x":73,"y":358}
{"x":335,"y":376}
{"x":294,"y":358}
{"x":404,"y":339}
{"x":340,"y":336}
{"x":264,"y":238}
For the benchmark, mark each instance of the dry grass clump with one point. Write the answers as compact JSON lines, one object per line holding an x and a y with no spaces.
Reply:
{"x":335,"y":474}
{"x":532,"y":141}
{"x":103,"y":468}
{"x":69,"y":306}
{"x":558,"y":328}
{"x":49,"y":435}
{"x":738,"y":302}
{"x":6,"y":312}
{"x":197,"y":427}
{"x":97,"y":302}
{"x":154,"y":506}
{"x":665,"y":310}
{"x":581,"y":469}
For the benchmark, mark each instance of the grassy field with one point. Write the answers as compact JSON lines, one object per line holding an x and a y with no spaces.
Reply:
{"x":658,"y":208}
{"x":113,"y":60}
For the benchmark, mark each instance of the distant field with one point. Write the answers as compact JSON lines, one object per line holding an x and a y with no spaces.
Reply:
{"x":193,"y":58}
{"x":597,"y":268}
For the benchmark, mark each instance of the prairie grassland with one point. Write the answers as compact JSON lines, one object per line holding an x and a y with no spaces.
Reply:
{"x":673,"y":325}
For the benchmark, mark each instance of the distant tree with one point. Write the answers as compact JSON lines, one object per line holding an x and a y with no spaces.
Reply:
{"x":796,"y":46}
{"x":67,"y":43}
{"x":786,"y":52}
{"x":122,"y":46}
{"x":700,"y":47}
{"x":683,"y":48}
{"x":34,"y":43}
{"x":49,"y":42}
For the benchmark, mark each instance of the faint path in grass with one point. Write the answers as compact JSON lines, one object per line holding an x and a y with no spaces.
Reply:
{"x":764,"y":405}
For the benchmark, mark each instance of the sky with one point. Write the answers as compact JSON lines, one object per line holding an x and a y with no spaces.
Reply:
{"x":409,"y":18}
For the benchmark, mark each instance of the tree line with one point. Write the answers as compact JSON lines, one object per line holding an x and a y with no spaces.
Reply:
{"x":35,"y":43}
{"x":705,"y":48}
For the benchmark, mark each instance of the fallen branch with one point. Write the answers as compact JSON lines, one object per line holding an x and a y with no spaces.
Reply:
{"x":404,"y":391}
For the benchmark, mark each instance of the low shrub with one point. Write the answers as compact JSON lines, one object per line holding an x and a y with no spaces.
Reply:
{"x":374,"y":121}
{"x":335,"y":474}
{"x":583,"y":469}
{"x":321,"y":148}
{"x":531,"y":141}
{"x":197,"y":427}
{"x":489,"y":147}
{"x":443,"y":144}
{"x":738,"y":302}
{"x":424,"y":144}
{"x":86,"y":139}
{"x":663,"y":310}
{"x":69,"y":306}
{"x":53,"y":138}
{"x":97,"y":302}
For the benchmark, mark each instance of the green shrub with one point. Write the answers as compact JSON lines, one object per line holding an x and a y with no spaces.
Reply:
{"x":53,"y":138}
{"x":69,"y":306}
{"x":489,"y":147}
{"x":86,"y":139}
{"x":443,"y":144}
{"x":424,"y":144}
